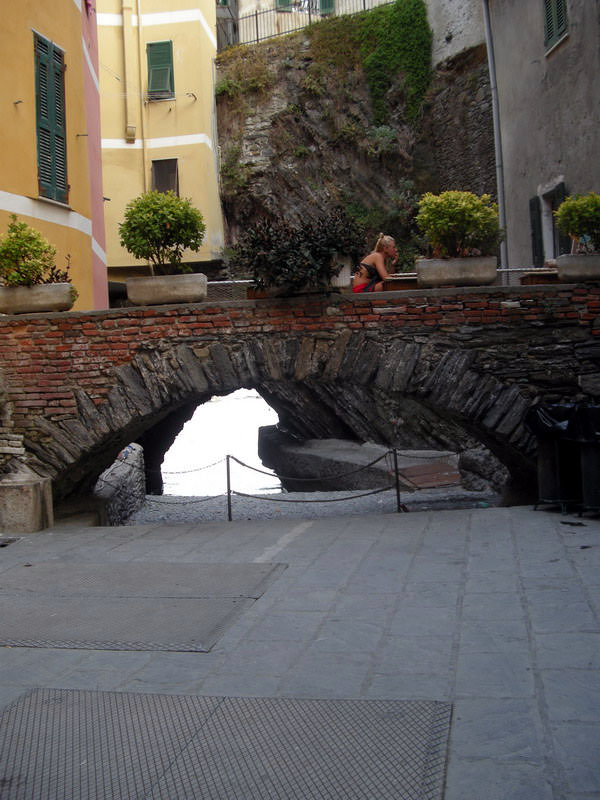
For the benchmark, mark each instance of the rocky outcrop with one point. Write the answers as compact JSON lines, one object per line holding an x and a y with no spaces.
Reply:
{"x":305,"y":139}
{"x":122,"y":487}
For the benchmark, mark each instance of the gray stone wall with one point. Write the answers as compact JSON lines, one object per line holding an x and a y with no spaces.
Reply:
{"x":456,"y":146}
{"x":122,"y":487}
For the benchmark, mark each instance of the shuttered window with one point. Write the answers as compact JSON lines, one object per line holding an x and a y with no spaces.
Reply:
{"x":555,"y":21}
{"x":326,"y":7}
{"x":50,"y":112}
{"x":161,"y":84}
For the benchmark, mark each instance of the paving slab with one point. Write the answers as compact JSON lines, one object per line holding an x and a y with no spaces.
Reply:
{"x":494,"y":611}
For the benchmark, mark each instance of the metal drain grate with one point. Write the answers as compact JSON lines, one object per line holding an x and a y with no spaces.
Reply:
{"x":65,"y":744}
{"x":127,"y":606}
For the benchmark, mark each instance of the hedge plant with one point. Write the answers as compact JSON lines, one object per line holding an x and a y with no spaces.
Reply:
{"x":578,"y":216}
{"x":27,"y":258}
{"x":276,"y":254}
{"x":458,"y":224}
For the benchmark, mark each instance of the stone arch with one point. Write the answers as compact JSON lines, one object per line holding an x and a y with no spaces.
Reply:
{"x":350,"y":384}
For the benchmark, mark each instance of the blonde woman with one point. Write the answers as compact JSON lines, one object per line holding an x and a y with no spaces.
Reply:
{"x":372,"y":270}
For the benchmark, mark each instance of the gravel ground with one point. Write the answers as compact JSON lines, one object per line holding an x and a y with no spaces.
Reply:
{"x":305,"y":505}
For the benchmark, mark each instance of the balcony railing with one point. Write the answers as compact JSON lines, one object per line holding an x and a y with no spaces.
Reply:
{"x":286,"y":18}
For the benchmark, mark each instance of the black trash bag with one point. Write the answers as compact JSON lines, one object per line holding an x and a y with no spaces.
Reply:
{"x":553,"y":421}
{"x":586,"y":423}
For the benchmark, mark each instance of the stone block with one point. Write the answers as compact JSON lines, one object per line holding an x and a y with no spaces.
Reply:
{"x":26,"y":505}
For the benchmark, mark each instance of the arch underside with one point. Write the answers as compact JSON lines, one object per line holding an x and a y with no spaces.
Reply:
{"x":404,"y":392}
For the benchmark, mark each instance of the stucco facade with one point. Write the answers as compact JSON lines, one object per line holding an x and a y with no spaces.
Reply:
{"x":549,"y":118}
{"x":74,"y":224}
{"x":143,"y":134}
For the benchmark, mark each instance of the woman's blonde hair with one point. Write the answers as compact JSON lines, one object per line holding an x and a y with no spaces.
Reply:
{"x":382,"y":242}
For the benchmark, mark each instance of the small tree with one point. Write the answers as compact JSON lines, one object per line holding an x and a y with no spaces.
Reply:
{"x":26,"y":257}
{"x":458,"y":224}
{"x":158,"y":227}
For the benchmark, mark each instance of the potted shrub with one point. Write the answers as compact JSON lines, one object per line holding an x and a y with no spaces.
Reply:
{"x":283,"y":259}
{"x":159,"y":227}
{"x":578,"y":216}
{"x":463,"y":233}
{"x":30,"y":280}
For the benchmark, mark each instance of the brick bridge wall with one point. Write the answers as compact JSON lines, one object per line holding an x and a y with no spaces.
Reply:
{"x":77,"y":387}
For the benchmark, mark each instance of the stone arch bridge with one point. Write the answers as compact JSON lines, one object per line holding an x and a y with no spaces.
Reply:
{"x":440,"y":368}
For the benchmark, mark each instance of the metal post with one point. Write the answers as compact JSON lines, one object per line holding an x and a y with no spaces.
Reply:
{"x":229,"y":517}
{"x":398,"y":503}
{"x":256,"y":20}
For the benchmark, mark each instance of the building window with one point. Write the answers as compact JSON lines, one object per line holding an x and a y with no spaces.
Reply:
{"x":546,"y":241}
{"x":50,"y":117}
{"x":165,"y":177}
{"x":161,"y":85}
{"x":555,"y":21}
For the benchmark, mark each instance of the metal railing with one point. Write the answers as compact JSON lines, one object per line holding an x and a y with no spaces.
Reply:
{"x":391,"y":468}
{"x":260,"y":25}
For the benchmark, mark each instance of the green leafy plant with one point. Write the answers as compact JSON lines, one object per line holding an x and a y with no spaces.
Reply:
{"x":457,"y":224}
{"x":158,"y":227}
{"x":388,"y":42}
{"x":277,"y":254}
{"x":247,"y":72}
{"x":27,"y":258}
{"x":578,"y":216}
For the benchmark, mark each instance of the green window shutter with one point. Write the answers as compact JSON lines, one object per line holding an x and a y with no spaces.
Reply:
{"x":283,"y":5}
{"x":326,"y":7}
{"x":537,"y":242}
{"x":51,"y":128}
{"x":160,"y":70}
{"x":555,"y":21}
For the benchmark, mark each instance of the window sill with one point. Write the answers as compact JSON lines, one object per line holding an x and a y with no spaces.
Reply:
{"x":557,"y":44}
{"x":51,"y":202}
{"x":160,"y":99}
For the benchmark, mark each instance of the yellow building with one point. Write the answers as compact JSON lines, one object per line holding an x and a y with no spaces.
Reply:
{"x":50,"y":135}
{"x":158,"y":114}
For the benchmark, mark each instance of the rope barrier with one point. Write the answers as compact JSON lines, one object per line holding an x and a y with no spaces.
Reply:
{"x":328,"y":500}
{"x":326,"y":478}
{"x":230,"y":491}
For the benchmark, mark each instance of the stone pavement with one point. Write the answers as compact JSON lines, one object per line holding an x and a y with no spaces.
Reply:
{"x":495,"y":610}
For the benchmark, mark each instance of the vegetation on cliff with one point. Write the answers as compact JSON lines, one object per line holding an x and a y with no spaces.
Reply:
{"x":327,"y":118}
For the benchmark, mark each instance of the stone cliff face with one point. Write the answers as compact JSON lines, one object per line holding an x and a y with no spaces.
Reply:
{"x":301,"y":136}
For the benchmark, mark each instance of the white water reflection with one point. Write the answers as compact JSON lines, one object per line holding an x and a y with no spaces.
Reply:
{"x":224,"y":425}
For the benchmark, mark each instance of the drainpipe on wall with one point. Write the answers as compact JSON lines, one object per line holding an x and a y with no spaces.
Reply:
{"x":126,"y":11}
{"x":489,"y":43}
{"x":141,"y":63}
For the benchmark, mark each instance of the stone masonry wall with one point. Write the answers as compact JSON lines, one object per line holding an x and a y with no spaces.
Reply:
{"x":455,"y":149}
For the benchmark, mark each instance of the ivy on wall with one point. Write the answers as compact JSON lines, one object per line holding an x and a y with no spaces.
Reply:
{"x":386,"y":42}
